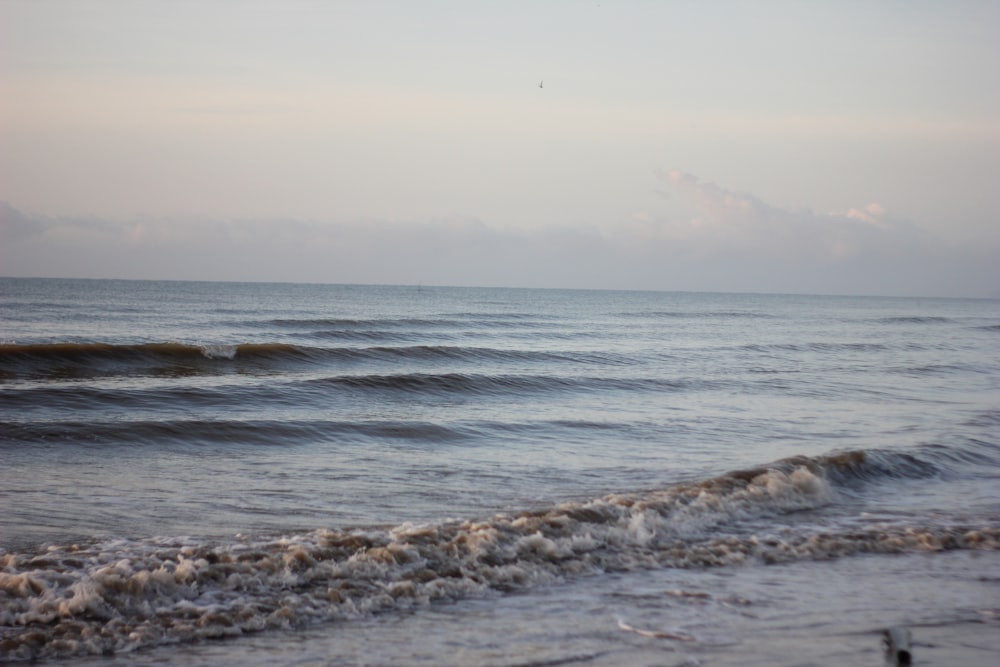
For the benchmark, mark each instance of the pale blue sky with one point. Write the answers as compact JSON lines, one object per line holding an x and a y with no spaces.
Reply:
{"x":858,"y":142}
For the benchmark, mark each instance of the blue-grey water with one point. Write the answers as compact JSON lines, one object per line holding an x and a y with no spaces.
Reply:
{"x":244,"y":474}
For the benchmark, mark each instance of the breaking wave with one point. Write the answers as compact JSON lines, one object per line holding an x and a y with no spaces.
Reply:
{"x":122,"y":595}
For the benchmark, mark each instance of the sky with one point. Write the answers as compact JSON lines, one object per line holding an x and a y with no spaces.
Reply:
{"x":843,"y":147}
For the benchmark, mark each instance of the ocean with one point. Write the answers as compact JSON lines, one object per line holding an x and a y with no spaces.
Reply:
{"x":197,"y":473}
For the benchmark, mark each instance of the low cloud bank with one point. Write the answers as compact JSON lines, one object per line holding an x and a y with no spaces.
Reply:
{"x":726,"y":242}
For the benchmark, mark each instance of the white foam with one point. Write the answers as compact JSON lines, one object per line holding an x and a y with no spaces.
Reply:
{"x":122,"y":595}
{"x":218,"y":351}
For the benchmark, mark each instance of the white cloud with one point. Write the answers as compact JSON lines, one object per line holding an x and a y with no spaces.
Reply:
{"x":871,"y":213}
{"x":727,"y":224}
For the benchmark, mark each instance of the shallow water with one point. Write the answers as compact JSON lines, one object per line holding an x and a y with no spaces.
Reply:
{"x":219,"y":473}
{"x":804,"y":613}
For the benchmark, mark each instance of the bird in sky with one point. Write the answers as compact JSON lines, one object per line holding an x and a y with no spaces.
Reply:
{"x":540,"y":84}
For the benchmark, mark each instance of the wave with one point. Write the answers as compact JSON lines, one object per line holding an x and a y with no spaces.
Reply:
{"x":915,"y":319}
{"x":497,"y":385}
{"x":816,"y":347}
{"x":122,"y":595}
{"x":82,"y":360}
{"x":698,"y":315}
{"x":469,"y":354}
{"x":462,"y":320}
{"x":377,"y":335}
{"x":322,"y":392}
{"x":195,"y":433}
{"x":936,"y":369}
{"x":237,"y":434}
{"x":63,"y":358}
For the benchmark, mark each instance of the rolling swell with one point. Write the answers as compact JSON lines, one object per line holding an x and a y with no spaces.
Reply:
{"x":415,"y":329}
{"x":165,"y":398}
{"x":699,"y":315}
{"x":472,"y":319}
{"x":121,"y":595}
{"x":88,"y":360}
{"x":194,"y":433}
{"x":497,"y":385}
{"x":68,"y":360}
{"x":919,"y":319}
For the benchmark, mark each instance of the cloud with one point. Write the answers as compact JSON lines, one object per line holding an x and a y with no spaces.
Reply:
{"x":727,"y":224}
{"x":730,"y":240}
{"x":720,"y":241}
{"x":16,"y":226}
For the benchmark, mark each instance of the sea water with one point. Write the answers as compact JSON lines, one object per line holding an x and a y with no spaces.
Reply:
{"x":243,"y":474}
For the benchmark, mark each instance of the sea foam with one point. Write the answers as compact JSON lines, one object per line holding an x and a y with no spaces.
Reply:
{"x":122,"y":595}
